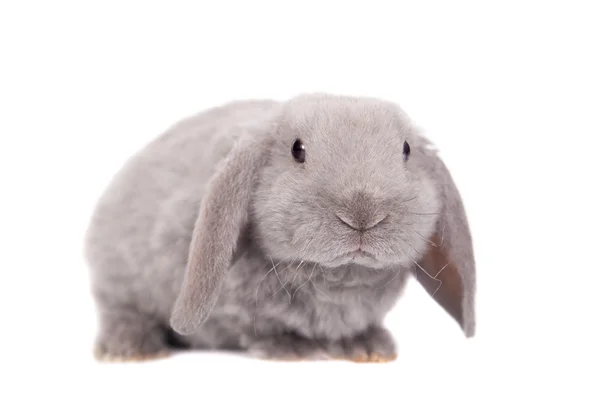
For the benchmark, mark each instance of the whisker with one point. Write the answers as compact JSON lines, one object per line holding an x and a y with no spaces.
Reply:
{"x":260,"y":282}
{"x":279,"y":279}
{"x":410,"y":244}
{"x":255,"y":334}
{"x":309,"y":278}
{"x":443,"y":228}
{"x":282,"y":287}
{"x":440,"y":271}
{"x":432,"y":277}
{"x":297,"y":271}
{"x":324,"y":280}
{"x":428,"y":213}
{"x":257,"y":289}
{"x":411,"y":199}
{"x":427,"y":273}
{"x":412,"y":247}
{"x":425,"y":239}
{"x":317,"y":288}
{"x":388,"y":282}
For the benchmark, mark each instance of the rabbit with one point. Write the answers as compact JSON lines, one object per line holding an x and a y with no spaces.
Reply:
{"x":284,"y":230}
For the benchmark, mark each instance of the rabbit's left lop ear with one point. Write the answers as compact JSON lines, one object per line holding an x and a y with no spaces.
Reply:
{"x":448,"y":267}
{"x":222,"y":217}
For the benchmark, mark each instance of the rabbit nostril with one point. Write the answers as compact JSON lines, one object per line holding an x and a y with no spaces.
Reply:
{"x":377,"y":221}
{"x":347,"y":222}
{"x":360,"y":224}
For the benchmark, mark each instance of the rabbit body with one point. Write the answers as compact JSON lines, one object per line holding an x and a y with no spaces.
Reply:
{"x":138,"y":245}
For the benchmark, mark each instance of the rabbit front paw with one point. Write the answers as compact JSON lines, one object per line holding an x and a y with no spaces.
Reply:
{"x":287,"y":347}
{"x":375,"y":345}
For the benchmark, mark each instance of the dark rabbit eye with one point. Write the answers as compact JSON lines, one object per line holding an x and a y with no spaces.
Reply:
{"x":406,"y":150}
{"x":298,"y":151}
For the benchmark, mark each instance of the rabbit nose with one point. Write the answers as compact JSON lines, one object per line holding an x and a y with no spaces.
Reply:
{"x":362,"y":213}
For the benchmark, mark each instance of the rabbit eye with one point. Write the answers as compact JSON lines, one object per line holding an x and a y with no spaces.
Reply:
{"x":406,"y":150}
{"x":298,"y":151}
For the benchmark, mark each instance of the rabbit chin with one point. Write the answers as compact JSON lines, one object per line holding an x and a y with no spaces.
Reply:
{"x":359,"y":258}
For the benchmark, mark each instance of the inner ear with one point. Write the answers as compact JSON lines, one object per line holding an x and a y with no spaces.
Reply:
{"x":441,"y":279}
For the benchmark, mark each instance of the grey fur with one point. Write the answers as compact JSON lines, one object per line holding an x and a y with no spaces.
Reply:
{"x":214,"y":231}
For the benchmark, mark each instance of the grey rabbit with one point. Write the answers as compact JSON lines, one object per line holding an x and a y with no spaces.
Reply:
{"x":284,"y":229}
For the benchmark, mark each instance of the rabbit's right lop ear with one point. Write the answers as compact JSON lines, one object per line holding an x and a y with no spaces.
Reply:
{"x":222,"y":217}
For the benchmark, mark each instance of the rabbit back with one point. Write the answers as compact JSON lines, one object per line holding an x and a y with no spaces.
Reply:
{"x":137,"y":241}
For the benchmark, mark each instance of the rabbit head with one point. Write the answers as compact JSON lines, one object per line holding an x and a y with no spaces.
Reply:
{"x":333,"y":180}
{"x":341,"y":186}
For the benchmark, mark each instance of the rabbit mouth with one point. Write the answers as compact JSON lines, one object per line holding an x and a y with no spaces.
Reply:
{"x":357,"y":255}
{"x":361,"y":254}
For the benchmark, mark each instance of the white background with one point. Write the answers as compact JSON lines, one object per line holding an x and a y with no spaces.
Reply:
{"x":509,"y":91}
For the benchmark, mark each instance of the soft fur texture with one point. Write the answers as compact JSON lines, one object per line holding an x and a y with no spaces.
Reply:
{"x":213,"y":236}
